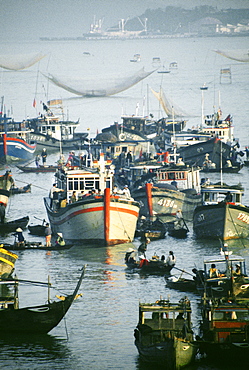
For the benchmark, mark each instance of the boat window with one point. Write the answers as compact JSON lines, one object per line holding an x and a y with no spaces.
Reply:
{"x":76,"y":184}
{"x":70,"y":184}
{"x":206,"y":197}
{"x":218,"y":316}
{"x":82,"y":185}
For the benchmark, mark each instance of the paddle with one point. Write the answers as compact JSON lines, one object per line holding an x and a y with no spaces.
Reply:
{"x":183,"y":271}
{"x":40,"y":219}
{"x":23,"y":281}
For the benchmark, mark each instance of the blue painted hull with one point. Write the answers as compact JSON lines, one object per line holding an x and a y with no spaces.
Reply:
{"x":17,"y":149}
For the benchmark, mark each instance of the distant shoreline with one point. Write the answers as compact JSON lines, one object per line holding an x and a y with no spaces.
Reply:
{"x":166,"y":36}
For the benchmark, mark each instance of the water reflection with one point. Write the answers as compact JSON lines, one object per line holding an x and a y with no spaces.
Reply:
{"x":32,"y":349}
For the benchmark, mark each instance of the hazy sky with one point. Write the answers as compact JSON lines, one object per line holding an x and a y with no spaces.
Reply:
{"x":31,"y":19}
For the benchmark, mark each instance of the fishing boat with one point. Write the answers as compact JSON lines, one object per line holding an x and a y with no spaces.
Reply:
{"x":38,"y":229}
{"x":7,"y":263}
{"x":224,"y":331}
{"x":40,"y":169}
{"x":20,"y":190}
{"x":222,"y":214}
{"x":11,"y":226}
{"x":181,"y":283}
{"x":152,"y":229}
{"x":52,"y":130}
{"x":103,"y":217}
{"x":165,"y":187}
{"x":153,"y":266}
{"x":39,"y":319}
{"x":34,"y":246}
{"x":164,"y":334}
{"x":178,"y":228}
{"x":226,"y":280}
{"x":15,"y":141}
{"x":6,"y":182}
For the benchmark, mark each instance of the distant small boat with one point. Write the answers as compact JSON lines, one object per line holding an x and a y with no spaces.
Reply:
{"x":37,"y":229}
{"x":173,"y":65}
{"x":24,"y":189}
{"x":163,"y":70}
{"x":136,"y":58}
{"x":38,"y":169}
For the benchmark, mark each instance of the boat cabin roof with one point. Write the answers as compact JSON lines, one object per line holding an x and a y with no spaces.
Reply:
{"x":166,"y":306}
{"x":222,"y":258}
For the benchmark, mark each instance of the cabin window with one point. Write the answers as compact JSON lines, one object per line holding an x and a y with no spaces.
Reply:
{"x":76,"y":184}
{"x":82,"y":184}
{"x":89,"y":183}
{"x":206,"y":197}
{"x":218,"y":316}
{"x":70,"y":184}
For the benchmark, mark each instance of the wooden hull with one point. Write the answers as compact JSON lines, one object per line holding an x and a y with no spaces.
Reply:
{"x":40,"y":169}
{"x":11,"y":226}
{"x":182,"y":284}
{"x":97,"y":219}
{"x":196,"y":153}
{"x":7,"y":262}
{"x":36,"y":246}
{"x":17,"y":149}
{"x":36,"y":319}
{"x":166,"y":201}
{"x":24,"y":189}
{"x":221,"y":221}
{"x":173,"y":353}
{"x":153,"y":268}
{"x":37,"y":229}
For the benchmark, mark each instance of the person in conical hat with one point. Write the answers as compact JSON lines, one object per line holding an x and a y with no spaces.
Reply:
{"x":60,"y":241}
{"x":20,"y":237}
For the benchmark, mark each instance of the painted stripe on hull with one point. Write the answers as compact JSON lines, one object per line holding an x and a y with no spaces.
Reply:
{"x":95,"y":209}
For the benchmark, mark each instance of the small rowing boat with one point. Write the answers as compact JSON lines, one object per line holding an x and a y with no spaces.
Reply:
{"x":35,"y":246}
{"x":8,"y":227}
{"x":38,"y":169}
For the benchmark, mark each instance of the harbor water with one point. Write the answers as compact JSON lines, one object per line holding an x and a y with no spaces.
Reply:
{"x":98,"y":330}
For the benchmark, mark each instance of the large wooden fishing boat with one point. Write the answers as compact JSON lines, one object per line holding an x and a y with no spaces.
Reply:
{"x":15,"y":141}
{"x":164,"y":336}
{"x":52,"y":131}
{"x":222,"y":215}
{"x":39,"y":319}
{"x":162,"y":190}
{"x":224,"y":331}
{"x":97,"y":217}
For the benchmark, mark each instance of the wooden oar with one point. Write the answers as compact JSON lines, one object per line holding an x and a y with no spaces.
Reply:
{"x":183,"y":271}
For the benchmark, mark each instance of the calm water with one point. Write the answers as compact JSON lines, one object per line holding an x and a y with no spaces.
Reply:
{"x":98,"y":330}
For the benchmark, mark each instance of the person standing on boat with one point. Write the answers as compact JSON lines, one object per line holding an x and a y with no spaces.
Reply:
{"x":44,"y":156}
{"x":20,"y":237}
{"x":73,"y":198}
{"x":171,"y":260}
{"x":53,"y":194}
{"x":228,"y":197}
{"x":48,"y":235}
{"x":126,"y":191}
{"x":37,"y":160}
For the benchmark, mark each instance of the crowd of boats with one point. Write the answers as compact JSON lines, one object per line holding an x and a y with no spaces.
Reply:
{"x":141,"y":178}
